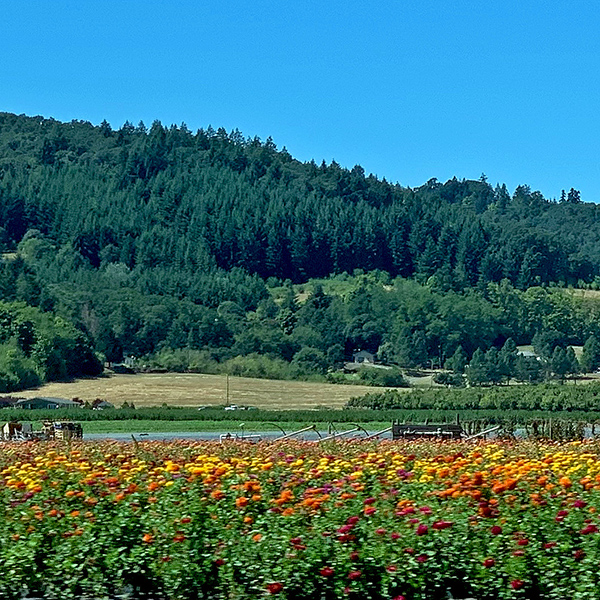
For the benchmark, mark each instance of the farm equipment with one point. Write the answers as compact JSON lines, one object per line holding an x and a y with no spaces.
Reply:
{"x":13,"y":430}
{"x":51,"y":430}
{"x":61,"y":430}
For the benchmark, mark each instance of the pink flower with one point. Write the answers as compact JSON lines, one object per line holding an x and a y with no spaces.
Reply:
{"x":422,"y":558}
{"x":442,"y":525}
{"x":578,"y":555}
{"x":353,"y":575}
{"x":370,"y":501}
{"x":345,"y":529}
{"x":425,"y":510}
{"x":352,"y":520}
{"x":517,"y":584}
{"x":401,"y":597}
{"x":579,"y":504}
{"x":392,"y":568}
{"x":422,"y":529}
{"x":395,"y":536}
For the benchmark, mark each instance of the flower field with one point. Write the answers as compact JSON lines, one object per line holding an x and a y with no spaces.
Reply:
{"x":412,"y":520}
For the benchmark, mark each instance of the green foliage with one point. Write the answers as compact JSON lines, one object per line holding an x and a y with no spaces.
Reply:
{"x":36,"y":347}
{"x":382,"y":377}
{"x":590,"y":357}
{"x":546,"y":397}
{"x":156,"y":241}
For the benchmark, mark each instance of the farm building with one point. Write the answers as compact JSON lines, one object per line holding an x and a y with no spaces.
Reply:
{"x":363,"y":357}
{"x":33,"y":403}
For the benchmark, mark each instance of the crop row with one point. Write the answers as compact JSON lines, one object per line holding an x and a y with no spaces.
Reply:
{"x":414,"y":521}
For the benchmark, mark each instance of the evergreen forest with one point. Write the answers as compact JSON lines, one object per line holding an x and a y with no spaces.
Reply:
{"x":214,"y":252}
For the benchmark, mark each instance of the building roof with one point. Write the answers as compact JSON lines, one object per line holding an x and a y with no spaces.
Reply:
{"x":48,"y":400}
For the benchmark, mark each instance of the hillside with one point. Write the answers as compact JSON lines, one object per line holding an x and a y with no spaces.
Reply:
{"x":185,"y":248}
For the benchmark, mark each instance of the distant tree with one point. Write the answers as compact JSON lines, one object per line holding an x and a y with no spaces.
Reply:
{"x":457,"y":362}
{"x":590,"y":357}
{"x":478,"y":369}
{"x":574,"y":196}
{"x":560,"y":363}
{"x":507,"y":358}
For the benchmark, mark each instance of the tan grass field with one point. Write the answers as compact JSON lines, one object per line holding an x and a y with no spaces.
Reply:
{"x":191,"y":389}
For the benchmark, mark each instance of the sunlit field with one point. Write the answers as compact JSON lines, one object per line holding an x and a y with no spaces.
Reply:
{"x":192,"y":389}
{"x":412,"y":520}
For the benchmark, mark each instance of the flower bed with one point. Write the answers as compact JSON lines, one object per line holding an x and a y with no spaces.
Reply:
{"x":413,"y":520}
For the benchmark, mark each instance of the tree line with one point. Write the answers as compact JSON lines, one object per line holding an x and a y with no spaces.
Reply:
{"x":195,"y":249}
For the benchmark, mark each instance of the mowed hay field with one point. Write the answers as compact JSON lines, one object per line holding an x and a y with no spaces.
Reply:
{"x":192,"y":389}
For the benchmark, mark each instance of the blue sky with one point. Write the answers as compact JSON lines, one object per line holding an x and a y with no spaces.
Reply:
{"x":409,"y":90}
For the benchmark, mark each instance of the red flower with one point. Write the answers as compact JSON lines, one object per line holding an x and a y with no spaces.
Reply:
{"x":522,"y":542}
{"x":589,"y":529}
{"x":380,"y":531}
{"x":395,"y":536}
{"x":326,"y":571}
{"x":496,"y":530}
{"x":274,"y":588}
{"x":409,"y":550}
{"x":354,"y":555}
{"x":579,"y":504}
{"x":353,"y":575}
{"x":369,"y":500}
{"x":442,"y":525}
{"x":399,"y":597}
{"x":370,"y":510}
{"x":422,"y":529}
{"x":422,"y":558}
{"x":352,"y":520}
{"x":219,"y":562}
{"x":345,"y":529}
{"x":392,"y":568}
{"x":425,"y":510}
{"x":578,"y":555}
{"x":549,"y":545}
{"x":489,"y":562}
{"x":517,"y":584}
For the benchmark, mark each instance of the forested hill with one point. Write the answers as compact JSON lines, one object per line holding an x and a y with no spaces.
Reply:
{"x":169,"y":201}
{"x":159,"y":241}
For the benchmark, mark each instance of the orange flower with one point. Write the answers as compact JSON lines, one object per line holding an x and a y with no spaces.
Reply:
{"x":148,"y":538}
{"x":565,"y":482}
{"x":257,"y":537}
{"x":242,"y":501}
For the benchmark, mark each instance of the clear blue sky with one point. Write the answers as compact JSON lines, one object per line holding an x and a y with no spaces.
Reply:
{"x":408,"y":89}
